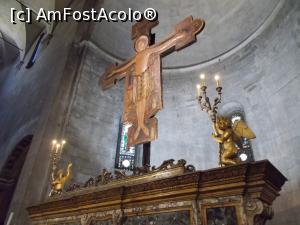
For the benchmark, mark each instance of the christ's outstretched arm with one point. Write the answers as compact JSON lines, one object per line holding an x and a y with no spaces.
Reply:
{"x":168,"y":43}
{"x":184,"y":34}
{"x":115,"y":73}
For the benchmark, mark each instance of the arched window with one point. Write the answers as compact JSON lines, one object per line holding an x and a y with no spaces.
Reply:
{"x":9,"y":174}
{"x":245,"y":150}
{"x":235,"y":112}
{"x":125,"y":157}
{"x":36,"y":52}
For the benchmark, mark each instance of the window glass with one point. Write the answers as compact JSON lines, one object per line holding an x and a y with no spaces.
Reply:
{"x":125,"y":157}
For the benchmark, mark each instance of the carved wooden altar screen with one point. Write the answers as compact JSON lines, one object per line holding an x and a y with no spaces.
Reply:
{"x":233,"y":195}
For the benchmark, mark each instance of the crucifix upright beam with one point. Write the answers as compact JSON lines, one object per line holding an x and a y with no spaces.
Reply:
{"x":142,"y":73}
{"x":144,"y":27}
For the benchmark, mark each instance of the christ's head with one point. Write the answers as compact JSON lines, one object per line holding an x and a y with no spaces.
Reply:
{"x":141,"y":43}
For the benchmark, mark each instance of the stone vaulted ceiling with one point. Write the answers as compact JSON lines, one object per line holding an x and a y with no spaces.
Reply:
{"x":228,"y":24}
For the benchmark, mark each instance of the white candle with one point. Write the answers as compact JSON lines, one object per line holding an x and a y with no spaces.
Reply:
{"x":217,"y":79}
{"x":198,"y":89}
{"x":202,"y":78}
{"x":63,"y":142}
{"x":57,"y":147}
{"x":53,"y":144}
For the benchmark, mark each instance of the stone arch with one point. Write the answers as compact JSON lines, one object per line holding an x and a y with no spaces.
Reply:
{"x":235,"y":111}
{"x":230,"y":108}
{"x":10,"y":173}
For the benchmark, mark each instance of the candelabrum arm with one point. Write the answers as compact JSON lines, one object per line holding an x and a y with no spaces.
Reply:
{"x":52,"y":176}
{"x":215,"y":128}
{"x":218,"y":99}
{"x":53,"y":170}
{"x":54,"y":165}
{"x":216,"y":103}
{"x":206,"y":106}
{"x":204,"y":102}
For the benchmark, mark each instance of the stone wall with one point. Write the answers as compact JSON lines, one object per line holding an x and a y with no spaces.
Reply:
{"x":264,"y":78}
{"x":27,"y":99}
{"x":59,"y":97}
{"x":93,"y":122}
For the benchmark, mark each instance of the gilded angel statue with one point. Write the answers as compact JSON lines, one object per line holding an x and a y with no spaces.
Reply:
{"x":59,"y":181}
{"x":229,"y":136}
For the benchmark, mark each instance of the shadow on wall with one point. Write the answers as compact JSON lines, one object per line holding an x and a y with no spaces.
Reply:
{"x":230,"y":108}
{"x":9,"y":175}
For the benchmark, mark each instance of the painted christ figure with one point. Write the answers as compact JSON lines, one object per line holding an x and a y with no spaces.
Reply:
{"x":143,"y":89}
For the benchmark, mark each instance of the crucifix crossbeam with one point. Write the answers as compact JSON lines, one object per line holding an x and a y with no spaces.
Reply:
{"x":142,"y":73}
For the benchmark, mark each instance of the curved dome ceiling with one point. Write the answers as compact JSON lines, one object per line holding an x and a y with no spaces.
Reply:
{"x":228,"y":23}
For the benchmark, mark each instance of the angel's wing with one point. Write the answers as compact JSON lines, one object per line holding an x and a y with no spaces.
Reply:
{"x":241,"y":129}
{"x":69,"y":173}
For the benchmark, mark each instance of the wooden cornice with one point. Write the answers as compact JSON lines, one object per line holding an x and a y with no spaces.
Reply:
{"x":260,"y":180}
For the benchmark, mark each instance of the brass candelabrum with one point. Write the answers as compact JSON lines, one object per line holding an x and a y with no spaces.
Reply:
{"x":56,"y":152}
{"x":207,"y":106}
{"x":204,"y":101}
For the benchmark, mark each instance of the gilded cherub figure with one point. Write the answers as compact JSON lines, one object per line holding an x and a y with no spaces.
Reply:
{"x":60,"y":180}
{"x":229,"y":136}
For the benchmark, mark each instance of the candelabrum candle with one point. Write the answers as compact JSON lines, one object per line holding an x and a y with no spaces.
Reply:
{"x":198,"y":89}
{"x":53,"y":144}
{"x":217,"y":79}
{"x":203,"y":99}
{"x":56,"y":151}
{"x":202,"y":78}
{"x":57,"y":148}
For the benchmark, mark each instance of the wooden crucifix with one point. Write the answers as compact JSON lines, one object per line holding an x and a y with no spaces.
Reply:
{"x":142,"y":72}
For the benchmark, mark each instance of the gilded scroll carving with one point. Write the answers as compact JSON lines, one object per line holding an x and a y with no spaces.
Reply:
{"x":107,"y":177}
{"x":257,"y":212}
{"x":206,"y":195}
